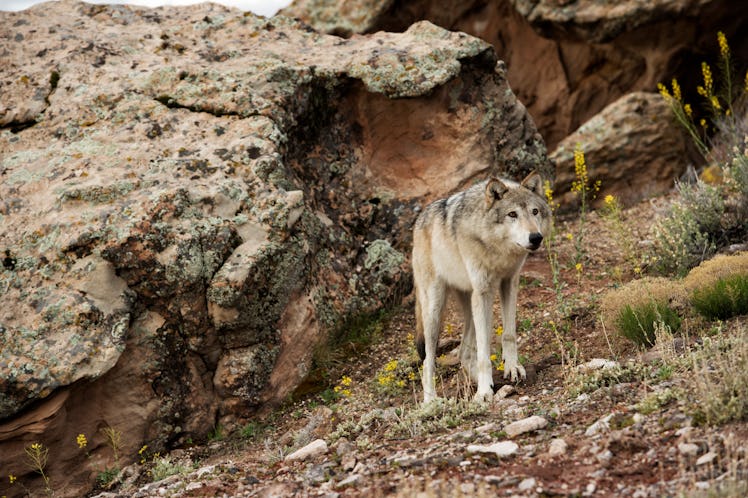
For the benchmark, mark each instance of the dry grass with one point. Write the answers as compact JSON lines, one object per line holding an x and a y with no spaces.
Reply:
{"x":719,"y":267}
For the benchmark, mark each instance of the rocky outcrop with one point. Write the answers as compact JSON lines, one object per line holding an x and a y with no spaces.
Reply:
{"x":566,"y":60}
{"x":192,"y":199}
{"x":632,"y":147}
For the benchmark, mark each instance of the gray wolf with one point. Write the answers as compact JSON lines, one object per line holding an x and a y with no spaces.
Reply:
{"x":470,"y":245}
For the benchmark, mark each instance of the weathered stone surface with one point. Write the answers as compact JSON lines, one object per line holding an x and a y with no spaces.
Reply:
{"x":566,"y":60}
{"x":639,"y":125}
{"x":502,"y":449}
{"x":192,"y":199}
{"x":529,"y":424}
{"x":311,"y":450}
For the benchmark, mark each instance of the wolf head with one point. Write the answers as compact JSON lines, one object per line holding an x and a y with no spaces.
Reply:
{"x":519,"y":210}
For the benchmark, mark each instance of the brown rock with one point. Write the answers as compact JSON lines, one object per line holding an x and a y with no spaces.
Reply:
{"x":192,"y":199}
{"x":566,"y":60}
{"x":633,"y":148}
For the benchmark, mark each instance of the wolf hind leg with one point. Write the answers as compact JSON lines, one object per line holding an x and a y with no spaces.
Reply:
{"x":431,"y":306}
{"x":467,"y":345}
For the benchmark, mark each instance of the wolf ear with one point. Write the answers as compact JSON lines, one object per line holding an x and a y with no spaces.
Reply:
{"x":534,"y":183}
{"x":495,"y":190}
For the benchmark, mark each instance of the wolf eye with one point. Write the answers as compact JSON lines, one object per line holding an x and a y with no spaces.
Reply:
{"x":512,"y":214}
{"x":535,"y":211}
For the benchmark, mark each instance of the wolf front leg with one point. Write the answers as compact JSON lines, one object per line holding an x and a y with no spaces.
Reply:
{"x":481,"y":305}
{"x":512,"y":368}
{"x":467,"y":345}
{"x":431,"y":309}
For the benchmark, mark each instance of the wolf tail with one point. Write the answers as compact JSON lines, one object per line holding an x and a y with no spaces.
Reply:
{"x":420,"y":340}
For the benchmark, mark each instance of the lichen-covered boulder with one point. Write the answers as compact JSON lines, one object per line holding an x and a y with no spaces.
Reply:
{"x":639,"y":125}
{"x":192,"y":199}
{"x":566,"y":60}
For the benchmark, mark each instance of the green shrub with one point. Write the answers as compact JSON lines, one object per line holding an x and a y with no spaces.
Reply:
{"x":725,"y":298}
{"x":638,"y":323}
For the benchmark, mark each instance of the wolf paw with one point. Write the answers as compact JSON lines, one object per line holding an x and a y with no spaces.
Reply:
{"x":483,"y":397}
{"x":514,"y":372}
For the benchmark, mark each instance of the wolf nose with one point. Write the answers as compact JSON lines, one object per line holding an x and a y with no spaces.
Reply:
{"x":535,"y":239}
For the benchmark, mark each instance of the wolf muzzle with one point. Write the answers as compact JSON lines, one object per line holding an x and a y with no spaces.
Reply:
{"x":535,"y":239}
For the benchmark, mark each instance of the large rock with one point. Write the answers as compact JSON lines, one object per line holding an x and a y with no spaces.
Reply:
{"x":639,"y":125}
{"x":566,"y":59}
{"x":192,"y":199}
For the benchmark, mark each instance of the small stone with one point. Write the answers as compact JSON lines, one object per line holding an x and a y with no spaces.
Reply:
{"x":313,"y":449}
{"x":604,"y":457}
{"x":193,"y":486}
{"x":706,"y":458}
{"x":602,"y":425}
{"x":504,"y":391}
{"x":342,"y":446}
{"x":589,"y":490}
{"x":501,"y":449}
{"x":597,"y":364}
{"x":467,"y":488}
{"x":202,"y":471}
{"x":352,"y":480}
{"x":528,"y":424}
{"x":688,"y":449}
{"x":527,"y":484}
{"x":557,"y":447}
{"x":348,"y":462}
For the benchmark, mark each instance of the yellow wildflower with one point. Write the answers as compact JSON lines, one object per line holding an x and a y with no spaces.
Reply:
{"x":345,"y":381}
{"x":494,"y":357}
{"x":569,"y":236}
{"x":746,"y":82}
{"x":676,"y":90}
{"x":499,"y":330}
{"x":11,"y":478}
{"x":390,"y":366}
{"x":578,"y":267}
{"x":663,"y":91}
{"x":688,"y":110}
{"x":81,"y":440}
{"x":500,"y":368}
{"x":610,"y":200}
{"x":582,"y":183}
{"x":715,"y":103}
{"x":547,"y":184}
{"x":706,"y":72}
{"x":724,"y":48}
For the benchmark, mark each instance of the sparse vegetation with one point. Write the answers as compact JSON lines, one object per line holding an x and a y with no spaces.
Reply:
{"x":711,"y":213}
{"x":719,"y":379}
{"x":165,"y":466}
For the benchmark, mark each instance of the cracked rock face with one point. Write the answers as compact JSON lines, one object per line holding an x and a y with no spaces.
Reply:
{"x":193,"y":199}
{"x":567,"y":60}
